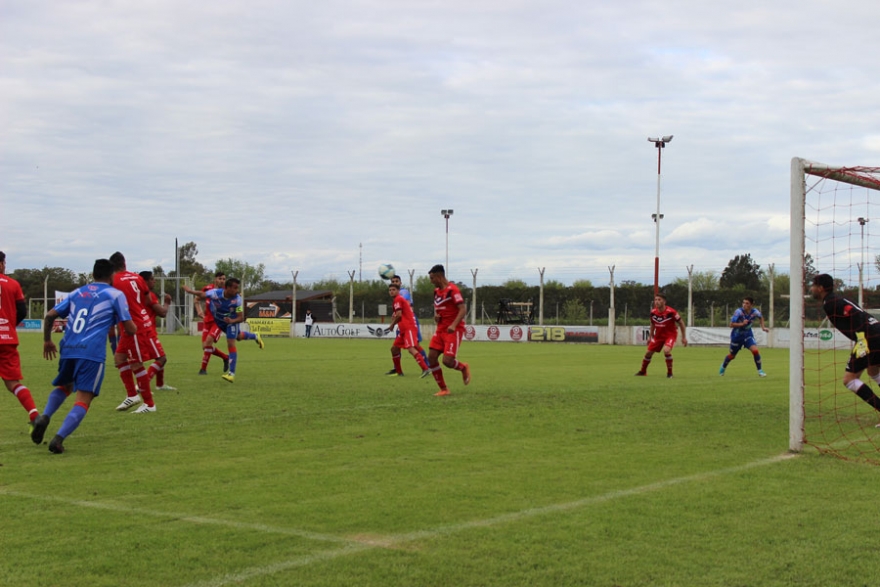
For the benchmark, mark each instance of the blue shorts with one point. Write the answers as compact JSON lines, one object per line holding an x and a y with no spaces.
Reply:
{"x":83,"y":374}
{"x":231,"y":330}
{"x":738,"y":342}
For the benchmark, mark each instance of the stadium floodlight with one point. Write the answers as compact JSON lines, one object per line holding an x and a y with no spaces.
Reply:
{"x":660,"y":143}
{"x":446,"y":214}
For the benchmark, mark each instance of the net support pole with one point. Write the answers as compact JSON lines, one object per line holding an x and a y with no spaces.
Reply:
{"x":796,"y":348}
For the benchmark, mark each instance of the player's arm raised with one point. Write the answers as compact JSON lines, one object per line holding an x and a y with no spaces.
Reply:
{"x":194,"y":292}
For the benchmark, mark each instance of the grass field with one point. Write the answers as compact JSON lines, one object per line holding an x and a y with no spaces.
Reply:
{"x":554,"y":467}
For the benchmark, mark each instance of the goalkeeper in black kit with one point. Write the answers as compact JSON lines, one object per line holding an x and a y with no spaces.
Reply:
{"x":858,"y":326}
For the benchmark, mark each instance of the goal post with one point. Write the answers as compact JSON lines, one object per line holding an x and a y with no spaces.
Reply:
{"x":830,"y":207}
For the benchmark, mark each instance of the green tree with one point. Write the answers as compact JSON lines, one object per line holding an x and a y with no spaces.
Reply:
{"x":742,"y":271}
{"x":702,"y":281}
{"x":574,"y":312}
{"x":582,"y":283}
{"x":810,"y":269}
{"x":250,"y":275}
{"x":32,"y":280}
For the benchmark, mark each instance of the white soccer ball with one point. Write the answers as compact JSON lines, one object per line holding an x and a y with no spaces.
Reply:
{"x":386,"y":271}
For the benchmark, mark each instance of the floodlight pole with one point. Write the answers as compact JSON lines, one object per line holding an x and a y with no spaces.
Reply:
{"x":446,"y":214}
{"x":660,"y":143}
{"x":862,"y":222}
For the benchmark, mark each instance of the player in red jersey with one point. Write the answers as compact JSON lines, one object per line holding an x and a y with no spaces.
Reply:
{"x":407,"y":334}
{"x":449,"y":312}
{"x":157,"y":368}
{"x":12,"y":311}
{"x":134,"y":350}
{"x":210,"y":331}
{"x":664,"y":321}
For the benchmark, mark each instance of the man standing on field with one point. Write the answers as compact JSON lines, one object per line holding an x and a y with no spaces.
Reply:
{"x":741,"y":334}
{"x":12,"y":311}
{"x":407,"y":335}
{"x":91,"y":311}
{"x":449,"y":312}
{"x":157,"y":369}
{"x":663,"y":334}
{"x":210,"y":332}
{"x":861,"y":328}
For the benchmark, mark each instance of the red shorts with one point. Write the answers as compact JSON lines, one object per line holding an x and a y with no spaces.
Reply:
{"x":655,"y":345}
{"x":446,"y":342}
{"x":141,"y":347}
{"x":211,"y":329}
{"x":10,"y":363}
{"x":406,"y":338}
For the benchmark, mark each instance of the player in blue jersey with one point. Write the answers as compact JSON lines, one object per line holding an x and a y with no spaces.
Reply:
{"x":91,"y":311}
{"x":408,"y":297}
{"x":741,"y":334}
{"x":228,"y":311}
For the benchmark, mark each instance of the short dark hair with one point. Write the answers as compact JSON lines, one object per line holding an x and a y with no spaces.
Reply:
{"x":660,"y":294}
{"x":438,"y":268}
{"x":147,"y":275}
{"x":396,"y":276}
{"x":103,"y":270}
{"x":118,"y":260}
{"x":394,"y":285}
{"x":233,"y":281}
{"x":219,"y":274}
{"x":824,"y":281}
{"x":2,"y":256}
{"x":749,"y":299}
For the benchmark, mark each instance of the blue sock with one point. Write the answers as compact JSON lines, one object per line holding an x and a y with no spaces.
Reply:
{"x":56,"y":398}
{"x":74,"y":417}
{"x":249,"y":336}
{"x":233,"y":359}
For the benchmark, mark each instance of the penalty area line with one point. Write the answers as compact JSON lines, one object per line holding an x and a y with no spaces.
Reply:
{"x":354,"y":547}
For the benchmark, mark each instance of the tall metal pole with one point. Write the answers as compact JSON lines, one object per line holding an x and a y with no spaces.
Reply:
{"x":446,"y":214}
{"x":660,"y":143}
{"x":862,"y":222}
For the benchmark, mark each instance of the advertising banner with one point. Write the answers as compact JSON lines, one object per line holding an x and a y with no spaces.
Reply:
{"x":269,"y":326}
{"x":329,"y":330}
{"x":496,"y":333}
{"x":30,"y":324}
{"x":564,"y":334}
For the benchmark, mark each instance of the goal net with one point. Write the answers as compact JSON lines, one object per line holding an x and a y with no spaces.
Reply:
{"x":834,"y":213}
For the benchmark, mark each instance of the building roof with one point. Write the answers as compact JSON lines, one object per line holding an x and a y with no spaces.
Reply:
{"x":284,"y":295}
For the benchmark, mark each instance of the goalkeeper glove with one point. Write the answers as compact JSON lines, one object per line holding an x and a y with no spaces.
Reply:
{"x":861,"y":347}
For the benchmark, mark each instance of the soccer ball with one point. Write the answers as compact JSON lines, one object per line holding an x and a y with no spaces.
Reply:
{"x":386,"y":271}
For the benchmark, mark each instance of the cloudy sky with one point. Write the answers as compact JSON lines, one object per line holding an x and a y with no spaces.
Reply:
{"x":325,"y":137}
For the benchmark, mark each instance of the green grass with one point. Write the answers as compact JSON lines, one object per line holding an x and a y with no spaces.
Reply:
{"x":554,"y":467}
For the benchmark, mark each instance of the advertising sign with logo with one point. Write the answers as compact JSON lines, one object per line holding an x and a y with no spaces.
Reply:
{"x":30,"y":324}
{"x":269,"y":326}
{"x":564,"y":334}
{"x":329,"y":330}
{"x":496,"y":333}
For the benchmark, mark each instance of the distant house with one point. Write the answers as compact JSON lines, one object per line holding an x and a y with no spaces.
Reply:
{"x":277,"y":304}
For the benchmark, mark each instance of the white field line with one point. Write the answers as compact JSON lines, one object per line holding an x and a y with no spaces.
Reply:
{"x":356,"y":545}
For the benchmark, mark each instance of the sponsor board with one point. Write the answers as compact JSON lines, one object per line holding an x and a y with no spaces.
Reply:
{"x":343,"y":330}
{"x":496,"y":333}
{"x":269,"y":326}
{"x":564,"y":334}
{"x":30,"y":324}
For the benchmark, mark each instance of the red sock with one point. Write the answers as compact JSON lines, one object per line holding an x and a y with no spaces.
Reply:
{"x":144,"y":387}
{"x":26,"y":400}
{"x":397,"y":367}
{"x":127,"y":379}
{"x":207,"y":357}
{"x":645,"y":363}
{"x":421,"y":362}
{"x":438,"y":377}
{"x":669,"y":363}
{"x":218,"y":353}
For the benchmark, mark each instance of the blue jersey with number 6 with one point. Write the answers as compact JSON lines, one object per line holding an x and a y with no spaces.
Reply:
{"x":90,"y":311}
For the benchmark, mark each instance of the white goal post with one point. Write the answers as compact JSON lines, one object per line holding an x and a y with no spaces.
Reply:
{"x":801,"y":171}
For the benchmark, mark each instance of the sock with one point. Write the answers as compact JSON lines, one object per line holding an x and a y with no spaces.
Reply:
{"x":248,"y":336}
{"x":437,"y":372}
{"x":669,"y":363}
{"x":421,"y":361}
{"x":727,"y":360}
{"x":864,"y":391}
{"x":218,"y":353}
{"x":56,"y":398}
{"x":208,"y":351}
{"x":424,"y":354}
{"x":233,"y":359}
{"x":73,"y":418}
{"x":26,"y":400}
{"x":645,"y":362}
{"x":459,"y":366}
{"x":758,"y":360}
{"x":158,"y":371}
{"x":143,"y":381}
{"x":127,"y":379}
{"x":397,"y":367}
